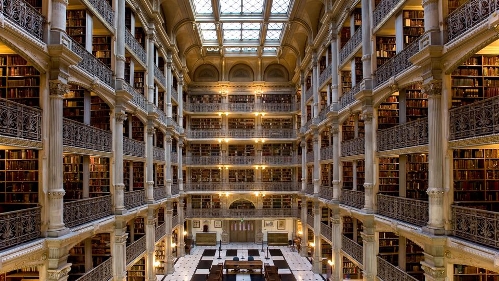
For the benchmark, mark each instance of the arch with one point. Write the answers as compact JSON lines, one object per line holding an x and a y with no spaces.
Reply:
{"x":242,"y":204}
{"x":276,"y":73}
{"x":241,"y":73}
{"x":206,"y":73}
{"x":18,"y":45}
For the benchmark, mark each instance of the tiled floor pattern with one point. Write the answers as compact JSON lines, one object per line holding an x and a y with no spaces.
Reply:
{"x":187,"y":266}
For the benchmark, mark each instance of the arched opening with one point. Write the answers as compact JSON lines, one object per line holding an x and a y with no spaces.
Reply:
{"x":242,"y":204}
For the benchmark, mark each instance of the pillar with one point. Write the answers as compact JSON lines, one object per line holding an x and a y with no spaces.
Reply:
{"x":57,"y":268}
{"x":181,"y":215}
{"x":180,"y":108}
{"x":434,"y":261}
{"x":118,"y":241}
{"x":366,"y":43}
{"x":179,"y":163}
{"x":337,"y":261}
{"x":149,"y":161}
{"x":336,"y":161}
{"x":120,"y":41}
{"x":303,"y":145}
{"x":317,"y":263}
{"x":303,"y":106}
{"x":304,"y":226}
{"x":150,"y":63}
{"x":315,"y":86}
{"x":369,"y":250}
{"x":169,"y":86}
{"x":169,"y":268}
{"x":150,"y":244}
{"x":369,"y":205}
{"x":168,"y":164}
{"x":317,"y":155}
{"x":119,"y":186}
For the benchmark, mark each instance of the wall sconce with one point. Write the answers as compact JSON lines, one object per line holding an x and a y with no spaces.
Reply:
{"x":259,"y":91}
{"x":157,"y":263}
{"x":223,"y":91}
{"x":226,"y":194}
{"x":300,"y":233}
{"x":311,"y":244}
{"x":185,"y":233}
{"x":174,"y":245}
{"x":258,"y":194}
{"x":260,"y":113}
{"x":223,"y":140}
{"x":260,"y":167}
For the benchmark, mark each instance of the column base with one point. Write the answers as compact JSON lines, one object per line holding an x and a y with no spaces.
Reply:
{"x":57,"y":232}
{"x":120,"y":212}
{"x":433,"y":230}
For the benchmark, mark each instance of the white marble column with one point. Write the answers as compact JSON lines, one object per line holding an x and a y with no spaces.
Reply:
{"x":315,"y":86}
{"x":303,"y":105}
{"x":118,"y":242}
{"x":336,"y":162}
{"x":180,"y":101}
{"x":169,"y":268}
{"x":336,"y":238}
{"x":303,"y":145}
{"x":149,"y":162}
{"x":317,"y":263}
{"x":366,"y":43}
{"x":434,"y":264}
{"x":369,"y":250}
{"x":119,"y":187}
{"x":150,"y":244}
{"x":317,"y":156}
{"x":150,"y":64}
{"x":168,"y":164}
{"x":169,"y":86}
{"x":369,"y":205}
{"x":181,"y":215}
{"x":180,"y":179}
{"x":304,"y":226}
{"x":120,"y":41}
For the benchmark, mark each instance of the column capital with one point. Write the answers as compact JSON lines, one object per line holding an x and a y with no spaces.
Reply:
{"x":119,"y":187}
{"x":58,"y":89}
{"x":120,"y":116}
{"x":58,"y":274}
{"x":367,"y":116}
{"x":432,"y":88}
{"x":151,"y":130}
{"x":435,"y":273}
{"x":56,"y":194}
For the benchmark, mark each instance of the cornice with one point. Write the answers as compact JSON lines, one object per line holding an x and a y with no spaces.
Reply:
{"x":20,"y":142}
{"x":17,"y":257}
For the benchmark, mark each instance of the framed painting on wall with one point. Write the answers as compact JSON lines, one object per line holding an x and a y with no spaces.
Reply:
{"x":195,"y":224}
{"x":281,"y":224}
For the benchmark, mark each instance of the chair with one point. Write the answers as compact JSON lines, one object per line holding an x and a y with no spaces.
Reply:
{"x":235,"y":258}
{"x":251,"y":258}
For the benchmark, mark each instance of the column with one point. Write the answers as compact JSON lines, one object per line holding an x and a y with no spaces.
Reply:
{"x":169,"y":268}
{"x":369,"y":206}
{"x":57,"y":268}
{"x":181,"y":215}
{"x":119,"y":186}
{"x":149,"y":161}
{"x":317,"y":263}
{"x":315,"y":86}
{"x":58,"y":21}
{"x":334,"y":73}
{"x":304,"y":226}
{"x":369,"y":250}
{"x":303,"y":106}
{"x":150,"y":244}
{"x":366,"y":44}
{"x":168,"y":164}
{"x":317,"y":156}
{"x":120,"y":41}
{"x":180,"y":161}
{"x":150,"y":63}
{"x":169,"y":80}
{"x":180,"y":108}
{"x":303,"y":145}
{"x":336,"y":232}
{"x":336,"y":161}
{"x":431,"y":21}
{"x":118,"y":241}
{"x":434,"y":264}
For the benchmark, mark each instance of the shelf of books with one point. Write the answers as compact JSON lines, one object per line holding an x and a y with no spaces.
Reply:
{"x":99,"y":181}
{"x":389,"y":247}
{"x":205,"y":149}
{"x":357,"y":17}
{"x":344,"y":35}
{"x":277,"y":123}
{"x":140,"y":36}
{"x":241,"y":99}
{"x":138,"y":175}
{"x":101,"y":49}
{"x":277,"y":98}
{"x":126,"y":174}
{"x":360,"y":174}
{"x":358,"y":70}
{"x":210,"y":98}
{"x":277,"y":149}
{"x":19,"y":80}
{"x":385,"y":49}
{"x":346,"y":81}
{"x":241,"y":175}
{"x":350,"y":270}
{"x":277,"y":175}
{"x":137,"y":129}
{"x":160,"y":257}
{"x":414,"y":256}
{"x":206,"y":123}
{"x":452,"y":5}
{"x":326,"y":175}
{"x":241,"y":150}
{"x":413,"y":25}
{"x":28,"y":273}
{"x":77,"y":259}
{"x":206,"y":201}
{"x":348,"y":229}
{"x":99,"y":113}
{"x":101,"y":248}
{"x":76,"y":22}
{"x":388,"y":112}
{"x":139,"y":82}
{"x":471,"y":273}
{"x":347,"y":175}
{"x":277,"y":201}
{"x":160,"y":175}
{"x":326,"y":253}
{"x":138,"y":271}
{"x":417,"y":176}
{"x":73,"y":177}
{"x":74,"y":104}
{"x":416,"y":103}
{"x":348,"y":128}
{"x":389,"y":176}
{"x":241,"y":123}
{"x":205,"y":175}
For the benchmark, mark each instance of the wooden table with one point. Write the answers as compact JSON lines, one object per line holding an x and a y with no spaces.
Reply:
{"x":238,"y":265}
{"x":216,"y":273}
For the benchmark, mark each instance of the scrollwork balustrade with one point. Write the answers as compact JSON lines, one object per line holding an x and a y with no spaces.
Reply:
{"x":174,"y":157}
{"x":383,"y":10}
{"x":17,"y":227}
{"x":309,"y":189}
{"x":159,"y":75}
{"x":468,"y":16}
{"x":348,"y":98}
{"x":390,"y":272}
{"x":172,"y":123}
{"x":353,"y":198}
{"x":242,"y":186}
{"x":242,"y":133}
{"x":80,"y":135}
{"x":405,"y":135}
{"x":276,"y":107}
{"x":241,"y":213}
{"x":158,"y":153}
{"x":278,"y":160}
{"x":241,"y":107}
{"x":204,"y":107}
{"x":92,"y":65}
{"x":133,"y":147}
{"x":103,"y":271}
{"x":203,"y":160}
{"x":326,"y":231}
{"x":160,"y":231}
{"x":279,"y":133}
{"x":326,"y":193}
{"x":238,"y":160}
{"x":351,"y":45}
{"x":310,"y":220}
{"x":20,"y":121}
{"x":82,"y":211}
{"x":135,"y":249}
{"x":326,"y":74}
{"x":159,"y":193}
{"x":323,"y":114}
{"x":202,"y":134}
{"x":327,"y":152}
{"x":404,"y":209}
{"x":134,"y":199}
{"x":175,"y":221}
{"x":104,"y":10}
{"x":310,"y":156}
{"x":175,"y":189}
{"x":308,"y":93}
{"x":174,"y":94}
{"x":161,"y":115}
{"x":352,"y":248}
{"x":479,"y":226}
{"x":25,"y":16}
{"x":135,"y":46}
{"x":474,"y":120}
{"x":352,"y":147}
{"x":137,"y":99}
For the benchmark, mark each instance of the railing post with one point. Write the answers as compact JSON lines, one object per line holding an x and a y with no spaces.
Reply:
{"x":169,"y":268}
{"x":369,"y":160}
{"x":317,"y":264}
{"x":119,"y":187}
{"x":149,"y":161}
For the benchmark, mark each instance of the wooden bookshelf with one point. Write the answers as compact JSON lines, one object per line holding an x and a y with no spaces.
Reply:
{"x":389,"y":176}
{"x":74,"y":104}
{"x":350,"y":270}
{"x":128,"y":18}
{"x":127,"y":69}
{"x":139,"y":228}
{"x":241,"y":175}
{"x":326,"y":137}
{"x":360,"y":175}
{"x":389,"y":247}
{"x":326,"y":214}
{"x":241,"y":150}
{"x":347,"y":175}
{"x":139,"y":82}
{"x":241,"y":99}
{"x":277,"y":98}
{"x":348,"y":129}
{"x":454,"y":4}
{"x":359,"y":72}
{"x":344,"y":35}
{"x":26,"y":274}
{"x":241,"y":123}
{"x":326,"y":253}
{"x":160,"y":257}
{"x":101,"y":49}
{"x":471,"y":273}
{"x":346,"y":81}
{"x":277,"y":201}
{"x":101,"y":248}
{"x":348,"y":227}
{"x":73,"y":177}
{"x":385,"y":49}
{"x":414,"y":256}
{"x":140,"y":36}
{"x":210,"y":98}
{"x":77,"y":259}
{"x":138,"y":271}
{"x":206,"y":123}
{"x":277,"y":123}
{"x":19,"y":80}
{"x":137,"y":129}
{"x":138,"y":175}
{"x":126,"y":174}
{"x":326,"y":175}
{"x":160,"y":175}
{"x":205,"y":149}
{"x":388,"y":112}
{"x":99,"y":113}
{"x":417,"y":176}
{"x":277,"y":149}
{"x":357,"y":18}
{"x":277,"y":175}
{"x":416,"y":103}
{"x":413,"y":25}
{"x":76,"y":22}
{"x":99,"y":183}
{"x":205,"y":175}
{"x":206,"y":201}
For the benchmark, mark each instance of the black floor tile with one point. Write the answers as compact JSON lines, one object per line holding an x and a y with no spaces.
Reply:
{"x":287,"y":277}
{"x":275,"y":252}
{"x":281,"y":264}
{"x":204,"y":264}
{"x":253,"y":252}
{"x":198,"y":277}
{"x":231,"y":253}
{"x":209,"y":252}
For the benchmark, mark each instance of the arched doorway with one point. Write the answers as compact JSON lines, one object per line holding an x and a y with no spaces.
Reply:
{"x":242,"y":230}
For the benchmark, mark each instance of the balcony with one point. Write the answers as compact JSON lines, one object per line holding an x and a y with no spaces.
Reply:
{"x":327,"y":152}
{"x":322,"y":115}
{"x":134,"y":199}
{"x":326,"y":231}
{"x":468,"y":16}
{"x":281,"y":160}
{"x":326,"y":193}
{"x":135,"y":47}
{"x":135,"y":249}
{"x":205,"y":134}
{"x":174,"y":94}
{"x":20,"y":121}
{"x":403,"y":209}
{"x":160,"y":232}
{"x":203,"y":160}
{"x":310,"y":156}
{"x":76,"y":134}
{"x":242,"y":133}
{"x":410,"y":134}
{"x":175,"y":221}
{"x":133,"y":147}
{"x":309,"y":189}
{"x":240,"y":160}
{"x":172,"y":123}
{"x":241,"y":107}
{"x":25,"y":16}
{"x":92,"y":65}
{"x":348,"y":98}
{"x":242,"y":213}
{"x":160,"y":77}
{"x":475,"y":120}
{"x":18,"y":227}
{"x":175,"y":189}
{"x":310,"y":220}
{"x":161,"y":114}
{"x":352,"y":248}
{"x":479,"y":226}
{"x":158,"y":153}
{"x":159,"y":193}
{"x":138,"y":99}
{"x":277,"y":133}
{"x":356,"y":146}
{"x":104,"y":9}
{"x":353,"y":198}
{"x":351,"y":46}
{"x":83,"y":211}
{"x":277,"y":107}
{"x":383,"y":11}
{"x":103,"y":271}
{"x":174,"y":157}
{"x":389,"y":272}
{"x":242,"y":186}
{"x":309,"y":93}
{"x":325,"y":75}
{"x":205,"y":107}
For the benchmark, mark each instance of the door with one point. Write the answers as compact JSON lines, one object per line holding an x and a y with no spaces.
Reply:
{"x":242,"y":231}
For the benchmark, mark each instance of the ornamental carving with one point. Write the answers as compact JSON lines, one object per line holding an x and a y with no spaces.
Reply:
{"x":432,"y":89}
{"x":120,"y":116}
{"x":119,"y":187}
{"x":367,"y":116}
{"x":58,"y":274}
{"x":151,"y":130}
{"x":434,"y":272}
{"x":57,"y":88}
{"x":56,"y":194}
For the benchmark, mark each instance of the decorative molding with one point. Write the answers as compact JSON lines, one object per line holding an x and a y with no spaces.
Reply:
{"x":433,"y":88}
{"x":58,"y":89}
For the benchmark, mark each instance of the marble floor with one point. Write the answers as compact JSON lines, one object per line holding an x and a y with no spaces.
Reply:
{"x":186,"y":267}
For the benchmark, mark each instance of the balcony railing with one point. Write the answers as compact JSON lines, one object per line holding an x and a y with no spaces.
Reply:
{"x":242,"y":133}
{"x":326,"y":74}
{"x":20,"y":121}
{"x":310,"y":220}
{"x":158,"y":153}
{"x":135,"y":249}
{"x":310,"y":156}
{"x":397,"y":64}
{"x":351,"y":45}
{"x":309,"y":189}
{"x":203,"y":160}
{"x":205,"y":107}
{"x":158,"y":74}
{"x":326,"y":231}
{"x":175,"y":221}
{"x":277,"y":133}
{"x":205,"y":134}
{"x":241,"y":107}
{"x":135,"y":46}
{"x":104,"y":10}
{"x":352,"y":248}
{"x":242,"y":213}
{"x":134,"y":199}
{"x":24,"y":15}
{"x":92,"y":65}
{"x":80,"y":135}
{"x":327,"y":152}
{"x":161,"y":115}
{"x":468,"y":16}
{"x":19,"y":226}
{"x":240,"y":160}
{"x":281,"y":160}
{"x":160,"y":231}
{"x":326,"y":193}
{"x":403,"y":209}
{"x":159,"y":193}
{"x":175,"y":189}
{"x":82,"y":211}
{"x":243,"y":186}
{"x":133,"y":147}
{"x":383,"y":10}
{"x":137,"y":99}
{"x":409,"y":134}
{"x":174,"y":94}
{"x":389,"y":272}
{"x":353,"y":198}
{"x":479,"y":226}
{"x":323,"y":115}
{"x":348,"y":98}
{"x":103,"y":271}
{"x":277,"y":107}
{"x":170,"y":122}
{"x":474,"y":120}
{"x":353,"y":147}
{"x":309,"y":93}
{"x":174,"y":157}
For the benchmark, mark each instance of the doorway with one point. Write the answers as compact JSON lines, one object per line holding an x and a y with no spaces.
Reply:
{"x":242,"y":231}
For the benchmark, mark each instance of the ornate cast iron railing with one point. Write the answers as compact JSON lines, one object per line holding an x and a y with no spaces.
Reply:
{"x":103,"y":271}
{"x":242,"y":133}
{"x":92,"y":65}
{"x":469,"y":15}
{"x":174,"y":94}
{"x":276,"y":107}
{"x":175,"y":189}
{"x":309,"y":93}
{"x":279,"y":133}
{"x":175,"y":220}
{"x":349,"y":97}
{"x":204,"y":107}
{"x":174,"y":157}
{"x":82,"y":211}
{"x":351,"y":45}
{"x":135,"y":249}
{"x":158,"y":153}
{"x":24,"y":15}
{"x":479,"y":226}
{"x":159,"y":75}
{"x":135,"y":46}
{"x":409,"y":134}
{"x":161,"y":115}
{"x":203,"y":134}
{"x":281,"y":160}
{"x":159,"y":193}
{"x":327,"y":152}
{"x":137,"y":99}
{"x":17,"y":227}
{"x":242,"y":213}
{"x":397,"y":64}
{"x":310,"y":220}
{"x":80,"y":135}
{"x":20,"y":121}
{"x":160,"y":231}
{"x":309,"y":189}
{"x":310,"y":156}
{"x":241,"y":107}
{"x":383,"y":10}
{"x":172,"y":123}
{"x":389,"y":272}
{"x":353,"y":198}
{"x":134,"y":147}
{"x":352,"y":147}
{"x":134,"y":199}
{"x":104,"y":10}
{"x":238,"y":160}
{"x":326,"y":193}
{"x":326,"y":74}
{"x":243,"y":186}
{"x":352,"y":248}
{"x":474,"y":120}
{"x":322,"y":115}
{"x":203,"y":160}
{"x":326,"y":231}
{"x":403,"y":209}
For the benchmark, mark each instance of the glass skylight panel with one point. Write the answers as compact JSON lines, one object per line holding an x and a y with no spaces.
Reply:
{"x":270,"y":49}
{"x":230,"y":6}
{"x":232,"y":34}
{"x":274,"y":31}
{"x":208,"y":31}
{"x":252,"y":6}
{"x":251,"y":31}
{"x":202,"y":7}
{"x":280,"y":6}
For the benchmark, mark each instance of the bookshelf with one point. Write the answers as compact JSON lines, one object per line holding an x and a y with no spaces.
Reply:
{"x":359,"y":73}
{"x":277,"y":98}
{"x":385,"y":49}
{"x":128,"y":18}
{"x":413,"y":25}
{"x":99,"y":113}
{"x":74,"y":104}
{"x":277,"y":149}
{"x":206,"y":175}
{"x":388,"y":112}
{"x":326,"y":137}
{"x":389,"y":247}
{"x":325,"y":175}
{"x":73,"y":177}
{"x":18,"y":179}
{"x":416,"y":103}
{"x":344,"y":36}
{"x":101,"y":49}
{"x":99,"y":183}
{"x":241,"y":175}
{"x":76,"y":21}
{"x":417,"y":176}
{"x":348,"y":227}
{"x":277,"y":175}
{"x":137,"y":129}
{"x":126,"y":174}
{"x":360,"y":174}
{"x":127,"y":69}
{"x":138,"y":271}
{"x":348,"y":129}
{"x":241,"y":98}
{"x":160,"y":175}
{"x":139,"y":82}
{"x":326,"y":253}
{"x":206,"y":123}
{"x":138,"y":175}
{"x":204,"y":149}
{"x":160,"y":257}
{"x":241,"y":150}
{"x":77,"y":259}
{"x":414,"y":256}
{"x":276,"y":201}
{"x":346,"y":81}
{"x":454,"y":4}
{"x":471,"y":273}
{"x":277,"y":123}
{"x":140,"y":36}
{"x":211,"y":98}
{"x":206,"y":201}
{"x":325,"y":215}
{"x":26,"y":274}
{"x":389,"y":176}
{"x":101,"y":248}
{"x":347,"y":175}
{"x":19,"y":80}
{"x":357,"y":18}
{"x":241,"y":123}
{"x":350,"y":270}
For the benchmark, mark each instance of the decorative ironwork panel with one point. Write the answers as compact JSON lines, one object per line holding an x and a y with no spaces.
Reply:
{"x":349,"y":97}
{"x":409,"y":134}
{"x":174,"y":157}
{"x":158,"y":153}
{"x":352,"y":248}
{"x":310,"y":156}
{"x":159,"y":75}
{"x":327,"y":152}
{"x":172,"y":123}
{"x":159,"y":193}
{"x":278,"y":160}
{"x":203,"y":160}
{"x":160,"y":231}
{"x":479,"y":226}
{"x":238,"y":160}
{"x":135,"y":249}
{"x":204,"y":107}
{"x":174,"y":94}
{"x":80,"y":135}
{"x":308,"y":123}
{"x":326,"y":231}
{"x":104,"y":10}
{"x":24,"y":15}
{"x":389,"y":272}
{"x":205,"y":134}
{"x":277,"y":107}
{"x":309,"y":93}
{"x":241,"y":107}
{"x":397,"y":64}
{"x":135,"y":46}
{"x":469,"y":15}
{"x":351,"y":45}
{"x":476,"y":119}
{"x":175,"y":189}
{"x":135,"y":199}
{"x":87,"y":210}
{"x":134,"y":147}
{"x":355,"y":146}
{"x":175,"y":221}
{"x":161,"y":115}
{"x":404,"y":209}
{"x":326,"y":192}
{"x":309,"y":189}
{"x":242,"y":186}
{"x":92,"y":65}
{"x":241,"y":213}
{"x":20,"y":121}
{"x":103,"y":271}
{"x":137,"y":99}
{"x":353,"y":198}
{"x":323,"y":115}
{"x":383,"y":10}
{"x":310,"y":220}
{"x":17,"y":227}
{"x":326,"y":74}
{"x":241,"y":133}
{"x":280,"y":133}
